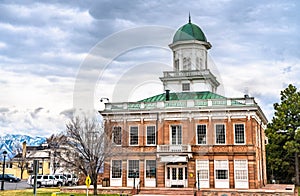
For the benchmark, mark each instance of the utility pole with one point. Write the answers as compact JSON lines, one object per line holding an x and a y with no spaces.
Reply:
{"x":297,"y":168}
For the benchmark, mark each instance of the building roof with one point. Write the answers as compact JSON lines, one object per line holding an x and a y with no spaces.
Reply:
{"x":189,"y":31}
{"x":184,"y":96}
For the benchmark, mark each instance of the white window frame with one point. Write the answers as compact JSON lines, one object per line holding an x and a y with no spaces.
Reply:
{"x":216,"y":133}
{"x":113,"y":135}
{"x":241,"y":167}
{"x":186,"y":87}
{"x":112,"y":169}
{"x":177,"y":138}
{"x":176,"y":65}
{"x":221,"y":165}
{"x":147,"y":135}
{"x":235,"y":135}
{"x":150,"y":168}
{"x":137,"y":171}
{"x":130,"y":135}
{"x":202,"y":165}
{"x":197,"y":134}
{"x":241,"y":176}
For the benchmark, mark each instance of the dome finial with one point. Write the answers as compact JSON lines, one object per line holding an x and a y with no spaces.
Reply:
{"x":190,"y":18}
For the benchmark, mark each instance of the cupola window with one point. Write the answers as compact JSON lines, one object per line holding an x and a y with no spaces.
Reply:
{"x":186,"y":87}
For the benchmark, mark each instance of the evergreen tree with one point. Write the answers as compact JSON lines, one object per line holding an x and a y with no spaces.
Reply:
{"x":282,"y":132}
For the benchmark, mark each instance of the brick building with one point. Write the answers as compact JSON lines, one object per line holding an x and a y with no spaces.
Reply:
{"x":189,"y":133}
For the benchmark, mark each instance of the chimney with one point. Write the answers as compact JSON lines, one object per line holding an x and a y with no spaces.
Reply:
{"x":24,"y":149}
{"x":167,"y":95}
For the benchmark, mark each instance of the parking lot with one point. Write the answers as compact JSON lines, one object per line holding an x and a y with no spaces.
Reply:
{"x":16,"y":185}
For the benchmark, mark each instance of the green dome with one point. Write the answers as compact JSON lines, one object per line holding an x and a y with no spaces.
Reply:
{"x":189,"y":31}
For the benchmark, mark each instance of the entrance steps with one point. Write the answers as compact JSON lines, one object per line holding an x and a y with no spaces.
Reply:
{"x":167,"y":191}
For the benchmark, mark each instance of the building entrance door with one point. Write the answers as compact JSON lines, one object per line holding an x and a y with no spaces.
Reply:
{"x":176,"y":176}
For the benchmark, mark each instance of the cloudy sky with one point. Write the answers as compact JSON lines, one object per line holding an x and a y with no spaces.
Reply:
{"x":55,"y":55}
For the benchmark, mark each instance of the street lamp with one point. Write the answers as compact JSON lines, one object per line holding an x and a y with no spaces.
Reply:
{"x":134,"y":176}
{"x":54,"y":162}
{"x":4,"y":156}
{"x":198,"y":179}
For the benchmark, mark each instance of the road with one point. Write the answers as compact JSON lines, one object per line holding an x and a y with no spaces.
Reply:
{"x":16,"y":185}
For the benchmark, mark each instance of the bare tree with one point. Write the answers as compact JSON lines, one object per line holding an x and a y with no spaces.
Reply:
{"x":86,"y":145}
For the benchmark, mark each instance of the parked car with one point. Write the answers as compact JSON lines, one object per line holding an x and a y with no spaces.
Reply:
{"x":10,"y":178}
{"x":45,"y":180}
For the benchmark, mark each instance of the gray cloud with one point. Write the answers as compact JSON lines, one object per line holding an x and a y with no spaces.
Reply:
{"x":43,"y":44}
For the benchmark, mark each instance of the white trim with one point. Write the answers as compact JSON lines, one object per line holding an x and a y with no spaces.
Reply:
{"x":241,"y":183}
{"x":197,"y":133}
{"x":221,"y":183}
{"x":171,"y":181}
{"x":150,"y":119}
{"x":130,"y":180}
{"x":149,"y":182}
{"x":219,"y":117}
{"x":130,"y":136}
{"x":170,"y":132}
{"x":215,"y":135}
{"x":176,"y":118}
{"x":204,"y":183}
{"x":121,"y":136}
{"x":116,"y":181}
{"x":242,"y":123}
{"x":238,"y":116}
{"x":155,"y":131}
{"x":133,"y":120}
{"x":201,"y":118}
{"x":173,"y":159}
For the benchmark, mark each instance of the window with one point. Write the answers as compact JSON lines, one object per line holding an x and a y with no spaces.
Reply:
{"x":176,"y":66}
{"x":220,"y":134}
{"x":180,"y":173}
{"x":174,"y":173}
{"x":168,"y":172}
{"x":201,"y":134}
{"x":117,"y":135}
{"x":239,"y":133}
{"x":186,"y":63}
{"x":8,"y":165}
{"x":151,"y":135}
{"x":40,"y":165}
{"x":203,"y":169}
{"x":176,"y":135}
{"x":134,"y":136}
{"x":221,"y":169}
{"x":221,"y":174}
{"x":133,"y":169}
{"x":116,"y":168}
{"x":185,"y":87}
{"x":150,"y":168}
{"x":241,"y":170}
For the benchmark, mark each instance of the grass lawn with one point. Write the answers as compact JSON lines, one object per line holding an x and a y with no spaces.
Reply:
{"x":42,"y":192}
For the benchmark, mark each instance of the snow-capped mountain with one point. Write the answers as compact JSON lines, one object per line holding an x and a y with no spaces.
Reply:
{"x":12,"y":143}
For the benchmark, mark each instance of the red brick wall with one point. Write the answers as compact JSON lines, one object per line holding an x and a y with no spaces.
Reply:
{"x":251,"y":151}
